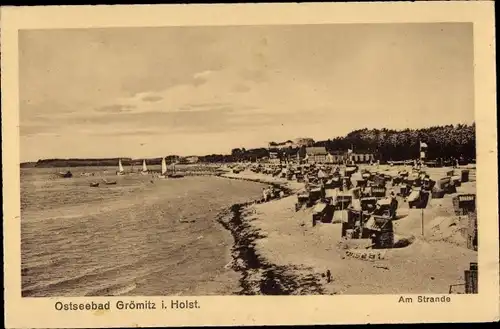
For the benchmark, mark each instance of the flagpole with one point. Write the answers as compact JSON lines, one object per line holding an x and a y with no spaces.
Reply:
{"x":419,"y":149}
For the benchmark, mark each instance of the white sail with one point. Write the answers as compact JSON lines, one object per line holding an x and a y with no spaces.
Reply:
{"x":120,"y":167}
{"x":144,"y":168}
{"x":163,"y":166}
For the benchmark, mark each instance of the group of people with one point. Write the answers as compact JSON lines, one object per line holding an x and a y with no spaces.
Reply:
{"x":270,"y":193}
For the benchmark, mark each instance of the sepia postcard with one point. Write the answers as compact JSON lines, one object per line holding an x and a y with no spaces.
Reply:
{"x":251,"y":164}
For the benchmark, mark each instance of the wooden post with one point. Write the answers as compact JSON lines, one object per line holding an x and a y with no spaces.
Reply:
{"x":422,"y":221}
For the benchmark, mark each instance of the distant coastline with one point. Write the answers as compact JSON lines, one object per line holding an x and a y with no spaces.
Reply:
{"x":87,"y":162}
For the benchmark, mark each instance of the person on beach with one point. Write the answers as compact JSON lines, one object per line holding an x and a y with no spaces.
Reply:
{"x":328,"y":276}
{"x":267,"y":194}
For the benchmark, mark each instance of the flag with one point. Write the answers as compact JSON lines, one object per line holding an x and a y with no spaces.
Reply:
{"x":349,"y":151}
{"x":423,"y":148}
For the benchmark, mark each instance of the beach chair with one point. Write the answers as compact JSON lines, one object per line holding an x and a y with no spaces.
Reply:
{"x":342,"y":201}
{"x":437,"y":192}
{"x":319,"y":212}
{"x":397,"y":180}
{"x":381,"y":230}
{"x":456,"y":180}
{"x":418,"y":199}
{"x":361,"y":183}
{"x":340,"y":216}
{"x":472,"y":231}
{"x":427,"y":183}
{"x":464,"y":176}
{"x":386,"y":207}
{"x":404,"y":190}
{"x":464,"y":204}
{"x":378,"y":191}
{"x":315,"y":194}
{"x":379,"y":180}
{"x":368,"y":204}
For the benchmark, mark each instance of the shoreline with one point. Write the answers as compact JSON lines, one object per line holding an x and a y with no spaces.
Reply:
{"x":260,"y":276}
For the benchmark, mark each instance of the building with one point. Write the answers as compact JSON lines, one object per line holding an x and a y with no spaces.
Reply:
{"x":191,"y":159}
{"x":316,"y":155}
{"x":337,"y":157}
{"x":361,"y":156}
{"x":274,"y":157}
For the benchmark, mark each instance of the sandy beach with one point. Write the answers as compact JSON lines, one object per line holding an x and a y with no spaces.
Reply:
{"x":278,"y":250}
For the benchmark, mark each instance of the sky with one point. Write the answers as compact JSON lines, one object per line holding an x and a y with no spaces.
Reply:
{"x":150,"y":92}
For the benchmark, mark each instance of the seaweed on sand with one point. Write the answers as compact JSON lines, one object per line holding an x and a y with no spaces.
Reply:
{"x":259,"y":276}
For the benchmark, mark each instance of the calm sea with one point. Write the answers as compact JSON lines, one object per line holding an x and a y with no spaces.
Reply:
{"x":134,"y":238}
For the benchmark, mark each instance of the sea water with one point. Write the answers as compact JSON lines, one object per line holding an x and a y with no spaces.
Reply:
{"x":142,"y":236}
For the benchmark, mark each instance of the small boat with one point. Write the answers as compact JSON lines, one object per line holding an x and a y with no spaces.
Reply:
{"x":163,"y":169}
{"x":108,"y":182}
{"x":144,"y":168}
{"x":67,"y":174}
{"x":94,"y":184}
{"x":120,"y":171}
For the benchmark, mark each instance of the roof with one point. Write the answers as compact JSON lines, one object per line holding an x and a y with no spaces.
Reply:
{"x":316,"y":151}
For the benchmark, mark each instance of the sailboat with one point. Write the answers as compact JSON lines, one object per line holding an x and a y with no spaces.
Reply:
{"x":163,"y":169}
{"x":120,"y":171}
{"x":175,"y":174}
{"x":144,"y":168}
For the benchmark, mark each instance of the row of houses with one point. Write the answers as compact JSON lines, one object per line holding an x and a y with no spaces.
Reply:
{"x":321,"y":155}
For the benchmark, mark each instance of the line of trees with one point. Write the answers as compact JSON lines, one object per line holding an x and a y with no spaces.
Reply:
{"x":237,"y":154}
{"x":443,"y":142}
